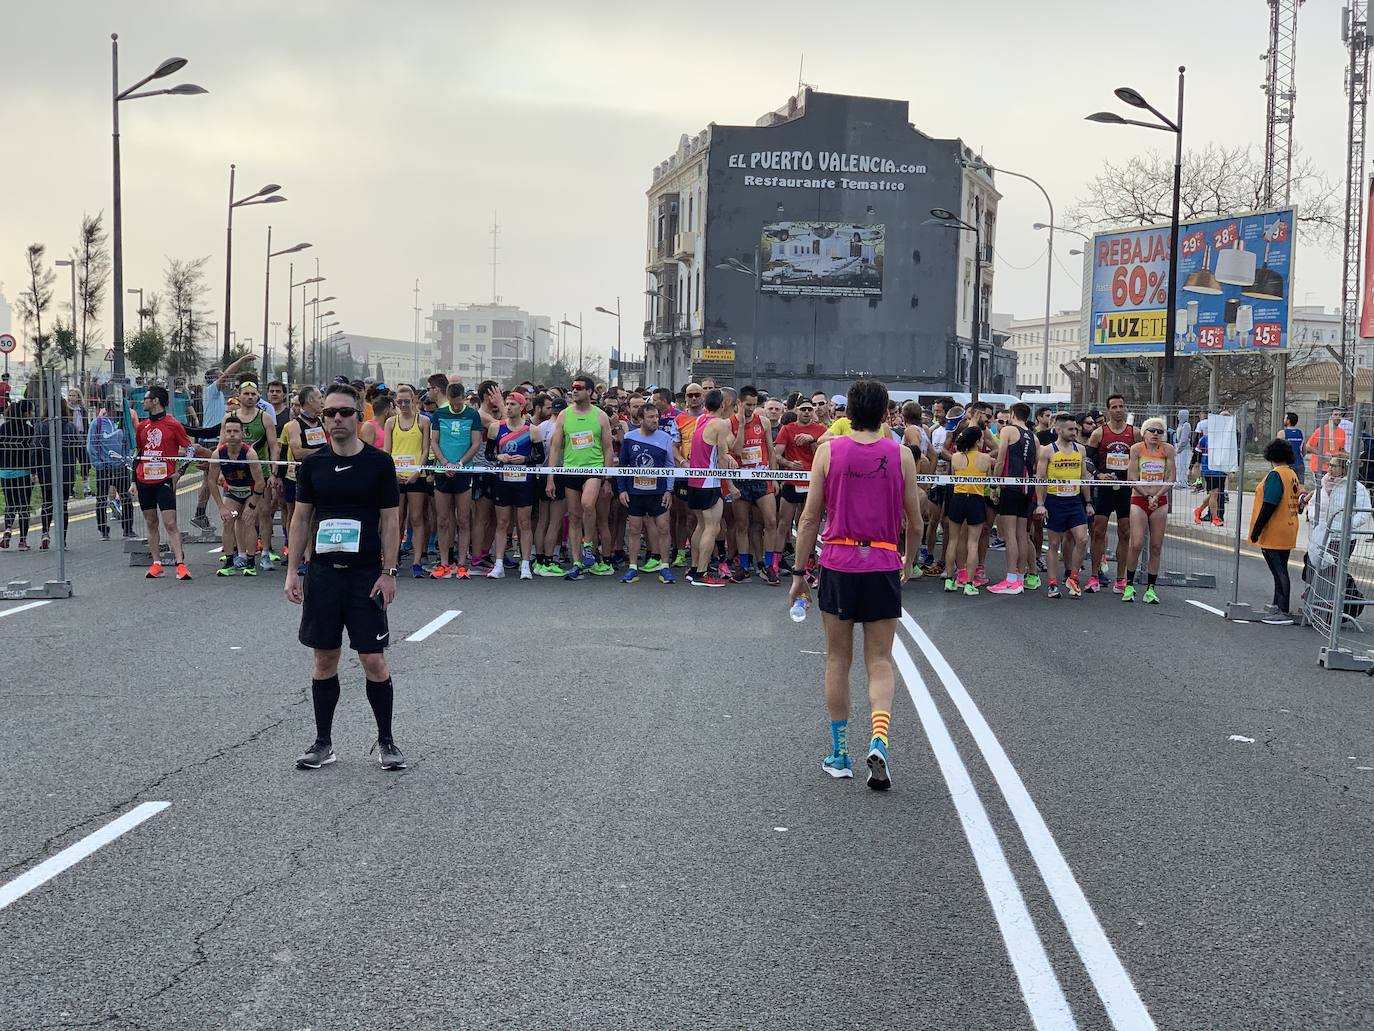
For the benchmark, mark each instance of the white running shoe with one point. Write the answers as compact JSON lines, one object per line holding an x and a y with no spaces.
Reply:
{"x":498,"y":571}
{"x":525,"y":572}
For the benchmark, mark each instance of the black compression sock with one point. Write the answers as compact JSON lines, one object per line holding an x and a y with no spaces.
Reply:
{"x":200,"y":511}
{"x":379,"y":696}
{"x":1150,"y":579}
{"x":325,"y":694}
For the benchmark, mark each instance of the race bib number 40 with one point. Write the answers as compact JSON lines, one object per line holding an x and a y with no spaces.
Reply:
{"x":338,"y":535}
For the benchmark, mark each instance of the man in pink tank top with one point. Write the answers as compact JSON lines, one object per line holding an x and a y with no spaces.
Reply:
{"x":865,"y":484}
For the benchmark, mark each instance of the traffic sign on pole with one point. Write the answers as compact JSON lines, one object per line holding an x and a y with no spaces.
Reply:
{"x":7,"y":343}
{"x":109,"y":355}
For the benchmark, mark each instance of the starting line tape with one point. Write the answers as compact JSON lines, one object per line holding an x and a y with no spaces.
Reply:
{"x":680,"y":472}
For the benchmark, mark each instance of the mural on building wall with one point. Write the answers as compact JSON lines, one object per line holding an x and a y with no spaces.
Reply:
{"x":826,"y":259}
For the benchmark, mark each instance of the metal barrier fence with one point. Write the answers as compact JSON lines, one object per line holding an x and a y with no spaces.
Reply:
{"x":36,"y":448}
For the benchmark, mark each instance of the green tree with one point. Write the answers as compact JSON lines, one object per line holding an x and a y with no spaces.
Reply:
{"x":37,"y":299}
{"x":147,"y":349}
{"x":64,"y":341}
{"x":186,"y":323}
{"x":92,"y":258}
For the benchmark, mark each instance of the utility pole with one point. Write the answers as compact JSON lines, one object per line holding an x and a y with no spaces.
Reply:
{"x":495,"y":233}
{"x":417,"y":331}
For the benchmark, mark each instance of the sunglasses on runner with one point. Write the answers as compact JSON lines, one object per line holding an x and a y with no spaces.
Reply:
{"x":336,"y":413}
{"x":1153,"y":429}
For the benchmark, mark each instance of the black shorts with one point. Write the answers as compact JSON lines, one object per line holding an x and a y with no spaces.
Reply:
{"x":458,"y":483}
{"x":971,"y":509}
{"x":792,"y":495}
{"x":1214,"y":481}
{"x":420,"y":486}
{"x":680,"y":488}
{"x":336,"y":598}
{"x":702,"y":499}
{"x":157,"y":495}
{"x":573,"y":484}
{"x":513,"y":495}
{"x":938,"y":494}
{"x":646,"y":506}
{"x":862,"y":597}
{"x":1109,"y":501}
{"x":288,"y":491}
{"x":483,"y":485}
{"x":754,"y":490}
{"x":1015,"y":503}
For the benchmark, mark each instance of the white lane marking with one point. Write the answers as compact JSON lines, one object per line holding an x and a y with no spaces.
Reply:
{"x":434,"y":624}
{"x":1242,"y":739}
{"x":1205,"y":607}
{"x":215,"y":551}
{"x":25,"y":608}
{"x":73,"y":854}
{"x":1124,"y":1006}
{"x":1040,"y":988}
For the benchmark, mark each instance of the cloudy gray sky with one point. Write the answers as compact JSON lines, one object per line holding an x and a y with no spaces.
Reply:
{"x":397,"y":129}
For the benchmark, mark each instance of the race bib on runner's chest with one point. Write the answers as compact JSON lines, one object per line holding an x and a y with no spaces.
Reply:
{"x":513,"y":477}
{"x":752,"y":455}
{"x":581,"y":439}
{"x":338,"y":535}
{"x":314,"y":436}
{"x":646,"y":482}
{"x":406,"y":463}
{"x":155,"y":470}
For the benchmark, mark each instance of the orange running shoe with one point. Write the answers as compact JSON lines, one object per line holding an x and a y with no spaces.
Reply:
{"x":182,"y":572}
{"x":461,"y":572}
{"x":154,"y":571}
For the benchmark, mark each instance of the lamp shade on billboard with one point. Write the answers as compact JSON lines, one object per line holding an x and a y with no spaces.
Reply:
{"x":1234,"y":284}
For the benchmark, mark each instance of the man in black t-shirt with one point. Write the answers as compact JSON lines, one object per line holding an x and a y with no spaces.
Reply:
{"x":346,"y":495}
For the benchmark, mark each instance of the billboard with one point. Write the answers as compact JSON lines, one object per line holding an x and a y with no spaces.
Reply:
{"x":822,"y":259}
{"x":1234,"y":282}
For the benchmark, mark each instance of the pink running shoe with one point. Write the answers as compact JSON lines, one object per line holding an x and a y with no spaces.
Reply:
{"x":1120,"y":586}
{"x":980,"y":577}
{"x":1007,"y":587}
{"x":1092,"y":586}
{"x":961,"y":578}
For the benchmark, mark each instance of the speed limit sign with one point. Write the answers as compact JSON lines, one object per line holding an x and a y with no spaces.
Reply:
{"x":6,"y":343}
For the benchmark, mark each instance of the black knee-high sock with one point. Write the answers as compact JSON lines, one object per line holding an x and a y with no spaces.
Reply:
{"x":325,"y":694}
{"x":379,"y":696}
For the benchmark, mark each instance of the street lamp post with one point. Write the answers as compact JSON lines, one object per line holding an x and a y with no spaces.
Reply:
{"x":616,"y":313}
{"x":949,"y":220}
{"x":577,"y":326}
{"x":138,"y":290}
{"x":185,"y":89}
{"x":1134,"y":99}
{"x":70,"y":265}
{"x":1045,"y":356}
{"x":267,"y":195}
{"x":552,"y":338}
{"x":305,"y":341}
{"x":267,"y":291}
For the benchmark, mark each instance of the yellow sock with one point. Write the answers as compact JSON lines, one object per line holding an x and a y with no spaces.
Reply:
{"x":881,"y":719}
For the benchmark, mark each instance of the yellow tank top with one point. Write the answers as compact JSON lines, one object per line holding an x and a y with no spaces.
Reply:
{"x":407,"y":446}
{"x":1065,"y":466}
{"x":969,"y":472}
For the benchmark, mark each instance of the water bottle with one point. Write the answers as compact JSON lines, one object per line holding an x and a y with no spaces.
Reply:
{"x":798,"y":610}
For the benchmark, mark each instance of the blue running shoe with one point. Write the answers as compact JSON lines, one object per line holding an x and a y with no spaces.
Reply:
{"x":878,"y":778}
{"x":631,"y":576}
{"x":575,"y":573}
{"x":588,"y":556}
{"x":665,"y":576}
{"x":838,"y":765}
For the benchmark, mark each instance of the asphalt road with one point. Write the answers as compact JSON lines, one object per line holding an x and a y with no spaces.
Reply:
{"x":615,"y":816}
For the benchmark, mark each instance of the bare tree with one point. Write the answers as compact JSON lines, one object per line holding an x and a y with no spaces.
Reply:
{"x":37,"y":299}
{"x":92,"y":258}
{"x":186,"y":321}
{"x":1216,"y":182}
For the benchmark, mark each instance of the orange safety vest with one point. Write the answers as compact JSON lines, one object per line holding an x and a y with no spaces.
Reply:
{"x":1326,"y":443}
{"x":1281,"y":531}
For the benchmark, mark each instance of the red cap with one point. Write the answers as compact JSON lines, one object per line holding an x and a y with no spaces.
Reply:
{"x":517,"y":397}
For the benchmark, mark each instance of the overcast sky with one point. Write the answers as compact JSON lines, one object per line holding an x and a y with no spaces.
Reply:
{"x":396,"y":130}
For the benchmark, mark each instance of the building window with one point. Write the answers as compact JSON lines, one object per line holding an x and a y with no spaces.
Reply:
{"x":481,"y":329}
{"x":465,"y":347}
{"x":482,"y":347}
{"x":464,"y":329}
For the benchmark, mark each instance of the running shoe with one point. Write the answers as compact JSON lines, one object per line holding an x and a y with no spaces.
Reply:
{"x":769,"y":575}
{"x":1151,"y":596}
{"x":665,"y":576}
{"x":104,"y":533}
{"x":1032,"y":582}
{"x":1006,"y":587}
{"x":879,"y":778}
{"x":923,"y":558}
{"x":250,"y":569}
{"x":739,"y":575}
{"x":417,"y":571}
{"x":915,"y":573}
{"x":631,"y":576}
{"x":838,"y":765}
{"x":980,"y":577}
{"x":273,"y":557}
{"x":442,"y":571}
{"x":1040,"y":566}
{"x":997,"y":544}
{"x":321,"y":753}
{"x":461,"y":572}
{"x":5,"y":539}
{"x":1071,"y":584}
{"x":484,"y":564}
{"x":182,"y":572}
{"x":1119,"y":586}
{"x":950,"y":586}
{"x":1105,"y":569}
{"x":24,"y":544}
{"x":1278,"y":619}
{"x":1091,"y":587}
{"x":200,"y":522}
{"x":1129,"y":593}
{"x":1218,"y":522}
{"x":497,"y":571}
{"x":601,"y":569}
{"x":679,"y":560}
{"x":936,"y":569}
{"x":1053,"y":590}
{"x":588,"y":555}
{"x":45,"y":543}
{"x":970,"y":591}
{"x":1197,"y":515}
{"x":154,"y":571}
{"x":706,"y":579}
{"x":525,"y":572}
{"x":576,"y":572}
{"x":550,"y":568}
{"x":390,"y":757}
{"x":653,"y":565}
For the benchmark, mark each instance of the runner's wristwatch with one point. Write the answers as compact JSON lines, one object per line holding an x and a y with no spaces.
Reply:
{"x":390,"y":572}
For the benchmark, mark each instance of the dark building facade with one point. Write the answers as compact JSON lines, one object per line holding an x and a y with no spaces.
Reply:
{"x":813,"y":263}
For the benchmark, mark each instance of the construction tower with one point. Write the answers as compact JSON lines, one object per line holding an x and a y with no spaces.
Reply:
{"x":1355,"y":34}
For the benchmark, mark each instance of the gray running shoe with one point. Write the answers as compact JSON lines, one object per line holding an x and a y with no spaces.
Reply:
{"x":200,"y":522}
{"x":321,"y":753}
{"x":388,"y":754}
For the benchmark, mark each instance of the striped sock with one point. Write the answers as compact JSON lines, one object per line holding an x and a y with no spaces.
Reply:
{"x":839,"y":736}
{"x":881,"y":720}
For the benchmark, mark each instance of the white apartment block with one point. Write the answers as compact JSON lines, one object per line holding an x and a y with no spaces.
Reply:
{"x":489,"y":341}
{"x":1028,"y":342}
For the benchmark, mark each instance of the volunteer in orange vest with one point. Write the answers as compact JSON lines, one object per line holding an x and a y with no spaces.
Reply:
{"x":1274,"y":524}
{"x":1325,"y":441}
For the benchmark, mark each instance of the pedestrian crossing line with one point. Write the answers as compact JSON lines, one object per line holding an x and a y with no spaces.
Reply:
{"x":435,"y":624}
{"x":1040,"y":987}
{"x":25,"y":608}
{"x":1205,"y":607}
{"x":1125,"y":1009}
